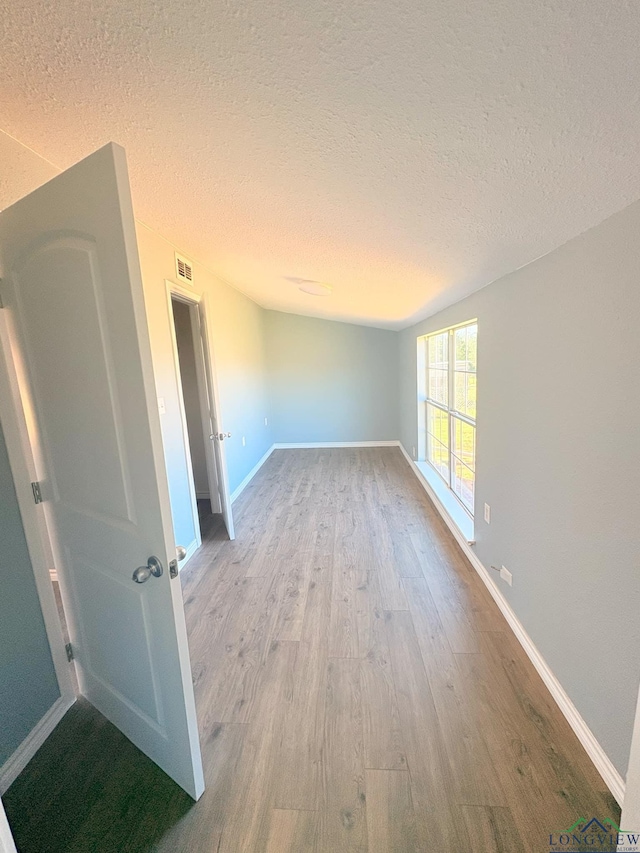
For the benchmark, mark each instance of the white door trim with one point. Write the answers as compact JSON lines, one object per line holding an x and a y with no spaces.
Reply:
{"x":194,"y":300}
{"x":24,"y":471}
{"x":198,"y":319}
{"x":7,"y":844}
{"x":177,"y":291}
{"x":209,"y":393}
{"x":631,"y":802}
{"x":206,"y":357}
{"x":217,"y":474}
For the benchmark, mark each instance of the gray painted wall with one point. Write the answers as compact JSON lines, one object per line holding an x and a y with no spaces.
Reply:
{"x":557,"y":423}
{"x":28,"y":684}
{"x":239,"y":359}
{"x":331,"y":381}
{"x":558,"y":461}
{"x":238,"y":344}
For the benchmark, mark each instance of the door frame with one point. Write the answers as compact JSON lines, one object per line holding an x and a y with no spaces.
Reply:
{"x":24,"y":470}
{"x":7,"y":844}
{"x":217,"y":475}
{"x":192,"y":546}
{"x":631,"y":802}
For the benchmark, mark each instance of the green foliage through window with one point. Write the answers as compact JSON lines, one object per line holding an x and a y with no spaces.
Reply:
{"x":451,"y":390}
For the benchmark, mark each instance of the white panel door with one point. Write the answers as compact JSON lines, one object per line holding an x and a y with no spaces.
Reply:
{"x":71,"y":285}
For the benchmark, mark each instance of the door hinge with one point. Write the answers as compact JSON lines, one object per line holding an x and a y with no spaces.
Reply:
{"x":69,"y":650}
{"x":37,"y":493}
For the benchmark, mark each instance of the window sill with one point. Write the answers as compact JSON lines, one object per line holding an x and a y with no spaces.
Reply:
{"x":448,"y":500}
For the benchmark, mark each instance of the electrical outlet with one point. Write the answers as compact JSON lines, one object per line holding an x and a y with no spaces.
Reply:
{"x":506,"y":575}
{"x":487,"y":513}
{"x":244,"y":441}
{"x":266,"y":421}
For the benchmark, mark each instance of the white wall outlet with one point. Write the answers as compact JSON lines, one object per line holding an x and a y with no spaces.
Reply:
{"x":487,"y":513}
{"x":266,"y":421}
{"x":161,"y":407}
{"x":244,"y":441}
{"x":506,"y":575}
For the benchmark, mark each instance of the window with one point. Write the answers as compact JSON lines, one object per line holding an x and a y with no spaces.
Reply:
{"x":448,"y":395}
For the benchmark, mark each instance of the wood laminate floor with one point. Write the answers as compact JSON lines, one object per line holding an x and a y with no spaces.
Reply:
{"x":358,"y":691}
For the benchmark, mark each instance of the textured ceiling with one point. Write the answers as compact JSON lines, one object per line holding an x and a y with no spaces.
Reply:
{"x":406,"y":152}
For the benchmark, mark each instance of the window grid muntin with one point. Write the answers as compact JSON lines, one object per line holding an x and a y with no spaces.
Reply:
{"x":458,"y":463}
{"x":435,"y":445}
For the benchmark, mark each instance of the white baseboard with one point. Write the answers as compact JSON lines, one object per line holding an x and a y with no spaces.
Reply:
{"x":252,"y":473}
{"x":16,"y":763}
{"x":310,"y":445}
{"x":307,"y":445}
{"x":191,"y":550}
{"x":596,"y":753}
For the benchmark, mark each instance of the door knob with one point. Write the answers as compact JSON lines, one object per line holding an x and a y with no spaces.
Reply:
{"x":181,"y":552}
{"x":143,"y":573}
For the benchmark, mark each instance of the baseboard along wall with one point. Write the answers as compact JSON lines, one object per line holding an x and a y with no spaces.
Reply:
{"x":307,"y":445}
{"x":16,"y":763}
{"x":614,"y":781}
{"x":594,"y":750}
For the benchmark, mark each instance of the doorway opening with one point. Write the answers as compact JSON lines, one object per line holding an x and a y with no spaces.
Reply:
{"x":209,"y":504}
{"x":206,"y":492}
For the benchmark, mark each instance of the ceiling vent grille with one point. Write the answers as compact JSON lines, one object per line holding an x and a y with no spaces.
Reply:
{"x":184,"y":269}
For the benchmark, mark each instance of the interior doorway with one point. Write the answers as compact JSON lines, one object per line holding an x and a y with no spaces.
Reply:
{"x":206,"y":492}
{"x":210,"y":503}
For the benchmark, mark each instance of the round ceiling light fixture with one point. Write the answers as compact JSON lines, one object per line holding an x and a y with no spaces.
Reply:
{"x":313,"y":288}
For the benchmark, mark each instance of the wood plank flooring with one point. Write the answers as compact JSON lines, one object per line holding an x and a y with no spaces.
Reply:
{"x":358,"y":692}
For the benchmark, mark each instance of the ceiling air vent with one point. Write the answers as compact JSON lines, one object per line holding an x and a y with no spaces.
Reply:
{"x":184,"y":269}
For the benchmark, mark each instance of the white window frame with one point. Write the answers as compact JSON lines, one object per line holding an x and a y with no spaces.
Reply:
{"x":452,"y":413}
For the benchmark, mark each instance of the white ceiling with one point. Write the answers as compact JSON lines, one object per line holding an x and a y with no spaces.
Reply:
{"x":406,"y":152}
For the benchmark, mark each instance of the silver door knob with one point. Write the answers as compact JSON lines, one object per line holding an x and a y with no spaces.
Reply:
{"x":143,"y":573}
{"x":181,"y":552}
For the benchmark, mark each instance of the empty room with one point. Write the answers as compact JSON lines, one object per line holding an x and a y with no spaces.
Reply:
{"x":319,"y":370}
